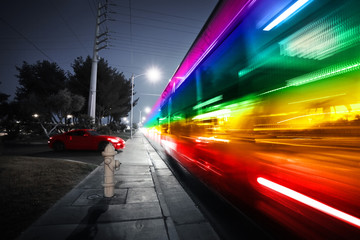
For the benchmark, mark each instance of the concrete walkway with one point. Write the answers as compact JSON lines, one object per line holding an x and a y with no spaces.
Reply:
{"x":149,"y":203}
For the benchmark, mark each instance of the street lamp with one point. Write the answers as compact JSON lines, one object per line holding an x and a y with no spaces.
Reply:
{"x":140,"y":118}
{"x":68,"y":118}
{"x":153,"y":74}
{"x":147,"y":110}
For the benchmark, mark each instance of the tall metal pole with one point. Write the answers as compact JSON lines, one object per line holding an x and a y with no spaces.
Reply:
{"x":95,"y":59}
{"x":93,"y":77}
{"x":132,"y":102}
{"x":92,"y":93}
{"x":140,"y":121}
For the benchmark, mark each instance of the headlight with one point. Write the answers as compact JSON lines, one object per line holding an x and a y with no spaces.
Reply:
{"x":113,"y":140}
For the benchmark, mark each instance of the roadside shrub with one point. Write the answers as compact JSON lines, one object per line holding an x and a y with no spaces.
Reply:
{"x":106,"y":130}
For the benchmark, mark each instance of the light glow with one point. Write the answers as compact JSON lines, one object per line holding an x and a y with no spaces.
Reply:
{"x":113,"y":140}
{"x":153,"y":74}
{"x":168,"y":144}
{"x":147,"y":109}
{"x":218,"y":114}
{"x":285,"y":14}
{"x":310,"y":202}
{"x":200,"y":139}
{"x":208,"y":102}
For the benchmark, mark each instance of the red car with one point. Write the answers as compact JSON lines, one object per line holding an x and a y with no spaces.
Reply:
{"x":84,"y":139}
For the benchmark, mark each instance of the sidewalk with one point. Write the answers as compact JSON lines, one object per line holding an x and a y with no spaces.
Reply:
{"x":149,"y":203}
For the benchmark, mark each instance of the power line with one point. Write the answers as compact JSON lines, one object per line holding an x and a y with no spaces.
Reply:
{"x":148,"y":38}
{"x":69,"y":27}
{"x":158,"y":20}
{"x":147,"y":43}
{"x":164,"y":14}
{"x":91,"y":9}
{"x":131,"y":35}
{"x":157,"y":27}
{"x":145,"y":52}
{"x":163,"y":21}
{"x":152,"y":47}
{"x":27,"y":39}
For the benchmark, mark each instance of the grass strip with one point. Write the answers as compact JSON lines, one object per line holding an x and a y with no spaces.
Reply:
{"x":29,"y":186}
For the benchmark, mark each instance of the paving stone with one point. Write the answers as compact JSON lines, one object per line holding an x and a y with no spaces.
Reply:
{"x":134,"y":182}
{"x":131,"y":211}
{"x":133,"y":169}
{"x":92,"y":197}
{"x":136,"y":195}
{"x":152,"y":229}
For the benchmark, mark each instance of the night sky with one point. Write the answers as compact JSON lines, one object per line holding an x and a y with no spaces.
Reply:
{"x":142,"y":34}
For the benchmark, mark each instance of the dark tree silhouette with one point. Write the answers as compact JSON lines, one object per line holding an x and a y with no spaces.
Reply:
{"x":113,"y":95}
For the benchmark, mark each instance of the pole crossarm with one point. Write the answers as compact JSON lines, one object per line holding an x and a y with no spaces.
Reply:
{"x":139,"y":75}
{"x":93,"y":78}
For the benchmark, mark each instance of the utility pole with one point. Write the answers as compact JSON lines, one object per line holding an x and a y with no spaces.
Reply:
{"x":99,"y":40}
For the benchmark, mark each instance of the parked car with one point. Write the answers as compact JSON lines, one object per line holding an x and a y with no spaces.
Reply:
{"x":84,"y":139}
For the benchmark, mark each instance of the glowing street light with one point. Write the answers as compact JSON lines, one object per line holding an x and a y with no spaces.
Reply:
{"x":147,"y":110}
{"x":153,"y":74}
{"x":68,"y":118}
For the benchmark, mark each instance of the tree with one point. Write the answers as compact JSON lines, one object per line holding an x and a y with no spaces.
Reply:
{"x":41,"y":79}
{"x":3,"y":103}
{"x":113,"y":94}
{"x":4,"y":109}
{"x":63,"y":103}
{"x":43,"y":92}
{"x":38,"y":82}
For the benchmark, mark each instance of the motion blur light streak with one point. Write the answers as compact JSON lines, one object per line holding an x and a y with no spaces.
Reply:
{"x":320,"y":98}
{"x":283,"y":103}
{"x":324,"y":73}
{"x":304,"y":145}
{"x":213,"y":139}
{"x":208,"y":102}
{"x":169,"y":144}
{"x":215,"y":42}
{"x":309,"y":201}
{"x":285,"y":14}
{"x":319,"y":75}
{"x":218,"y":113}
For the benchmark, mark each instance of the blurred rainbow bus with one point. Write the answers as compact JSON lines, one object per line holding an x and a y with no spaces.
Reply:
{"x":265,"y":109}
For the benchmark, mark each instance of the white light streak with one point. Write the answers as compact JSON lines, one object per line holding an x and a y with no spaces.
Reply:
{"x":285,"y":14}
{"x":310,"y":202}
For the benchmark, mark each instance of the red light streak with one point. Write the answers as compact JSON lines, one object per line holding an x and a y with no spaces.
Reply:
{"x":309,"y":201}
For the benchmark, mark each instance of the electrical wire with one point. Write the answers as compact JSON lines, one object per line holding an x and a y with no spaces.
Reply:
{"x":27,"y":39}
